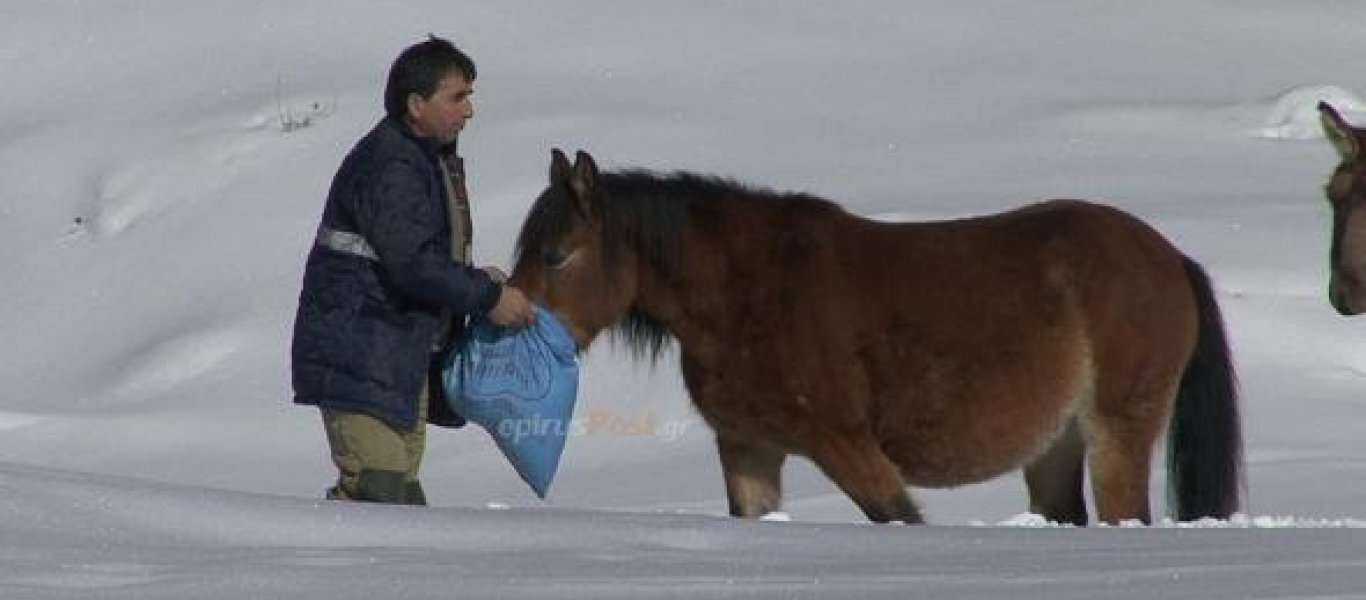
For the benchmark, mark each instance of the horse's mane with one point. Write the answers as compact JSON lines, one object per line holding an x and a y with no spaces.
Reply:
{"x":647,"y":212}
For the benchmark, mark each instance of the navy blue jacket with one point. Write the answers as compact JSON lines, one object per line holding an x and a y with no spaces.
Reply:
{"x":364,"y":329}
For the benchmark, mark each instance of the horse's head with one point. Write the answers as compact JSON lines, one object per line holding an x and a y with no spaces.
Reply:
{"x":1347,"y":196}
{"x":564,"y":259}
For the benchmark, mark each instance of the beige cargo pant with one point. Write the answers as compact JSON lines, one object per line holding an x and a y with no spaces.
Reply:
{"x":376,"y":462}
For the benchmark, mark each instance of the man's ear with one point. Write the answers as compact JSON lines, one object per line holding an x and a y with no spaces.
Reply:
{"x":1344,"y":137}
{"x":414,"y":103}
{"x":584,"y":182}
{"x":559,"y":167}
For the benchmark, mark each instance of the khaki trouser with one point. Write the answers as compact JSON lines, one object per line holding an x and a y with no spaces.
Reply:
{"x":376,"y":461}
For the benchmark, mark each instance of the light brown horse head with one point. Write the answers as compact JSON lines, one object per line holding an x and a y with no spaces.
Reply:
{"x":1347,"y":195}
{"x":566,"y":258}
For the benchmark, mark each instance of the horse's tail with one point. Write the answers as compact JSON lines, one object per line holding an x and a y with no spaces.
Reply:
{"x":1205,"y":441}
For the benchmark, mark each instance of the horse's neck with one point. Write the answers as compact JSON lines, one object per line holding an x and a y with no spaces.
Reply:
{"x":721,"y":276}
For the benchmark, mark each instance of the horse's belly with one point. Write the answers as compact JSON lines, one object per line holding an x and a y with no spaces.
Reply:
{"x":944,"y":438}
{"x":946,"y":469}
{"x":943,"y":429}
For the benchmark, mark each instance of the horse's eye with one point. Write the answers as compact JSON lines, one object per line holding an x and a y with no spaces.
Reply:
{"x":553,"y":257}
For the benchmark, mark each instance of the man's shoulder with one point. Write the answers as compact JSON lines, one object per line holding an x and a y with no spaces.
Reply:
{"x":384,"y":147}
{"x":386,"y":140}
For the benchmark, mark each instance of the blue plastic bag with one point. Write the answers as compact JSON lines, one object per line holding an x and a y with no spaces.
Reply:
{"x":520,"y":384}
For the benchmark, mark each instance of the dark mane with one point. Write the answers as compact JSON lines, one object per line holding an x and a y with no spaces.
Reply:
{"x":647,"y":212}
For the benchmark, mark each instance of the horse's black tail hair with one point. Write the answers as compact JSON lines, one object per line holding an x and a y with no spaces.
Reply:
{"x":1205,"y":441}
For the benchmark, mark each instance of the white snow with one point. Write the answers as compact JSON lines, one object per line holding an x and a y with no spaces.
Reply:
{"x":162,"y":168}
{"x":1294,"y":114}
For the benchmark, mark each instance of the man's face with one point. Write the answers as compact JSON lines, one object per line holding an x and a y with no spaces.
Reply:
{"x":443,"y":115}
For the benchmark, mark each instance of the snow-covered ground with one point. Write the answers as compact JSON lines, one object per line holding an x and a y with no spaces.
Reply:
{"x":154,"y":213}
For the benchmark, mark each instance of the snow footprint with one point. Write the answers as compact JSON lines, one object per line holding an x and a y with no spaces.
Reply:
{"x":14,"y":420}
{"x":168,"y":363}
{"x":196,"y":165}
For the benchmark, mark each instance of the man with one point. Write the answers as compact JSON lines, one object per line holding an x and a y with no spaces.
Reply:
{"x":388,"y":281}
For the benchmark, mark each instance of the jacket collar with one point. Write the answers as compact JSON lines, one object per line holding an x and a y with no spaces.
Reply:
{"x":428,"y":145}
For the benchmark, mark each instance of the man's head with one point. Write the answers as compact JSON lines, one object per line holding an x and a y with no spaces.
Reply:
{"x":429,"y":87}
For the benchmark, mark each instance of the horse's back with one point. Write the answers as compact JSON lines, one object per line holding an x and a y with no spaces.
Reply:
{"x":1066,"y":263}
{"x":1054,"y":244}
{"x":1039,"y":256}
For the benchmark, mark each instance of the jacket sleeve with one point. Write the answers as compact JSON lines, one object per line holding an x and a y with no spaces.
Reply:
{"x":403,"y":223}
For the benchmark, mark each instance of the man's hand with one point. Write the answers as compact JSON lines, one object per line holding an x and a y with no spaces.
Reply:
{"x":513,"y":309}
{"x":496,"y":274}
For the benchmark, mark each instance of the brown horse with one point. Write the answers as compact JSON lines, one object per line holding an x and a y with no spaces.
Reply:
{"x":929,"y":354}
{"x":1347,"y":194}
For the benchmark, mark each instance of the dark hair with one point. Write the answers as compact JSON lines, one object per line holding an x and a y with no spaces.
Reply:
{"x":419,"y":69}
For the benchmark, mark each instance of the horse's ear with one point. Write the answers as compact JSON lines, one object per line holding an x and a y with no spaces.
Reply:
{"x":585,"y":170}
{"x":1343,"y":136}
{"x":584,"y":181}
{"x":559,"y":167}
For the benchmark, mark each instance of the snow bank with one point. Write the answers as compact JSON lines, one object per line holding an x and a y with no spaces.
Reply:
{"x":72,"y":534}
{"x":1237,"y":521}
{"x":1294,"y":114}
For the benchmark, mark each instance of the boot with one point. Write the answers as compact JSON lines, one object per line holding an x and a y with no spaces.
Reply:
{"x":413,"y":494}
{"x":376,"y":485}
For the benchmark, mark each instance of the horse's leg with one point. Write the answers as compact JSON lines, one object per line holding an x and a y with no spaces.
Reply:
{"x":753,"y":472}
{"x":860,"y":468}
{"x":1055,"y":479}
{"x":1119,"y":474}
{"x":753,"y":476}
{"x":1120,"y":436}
